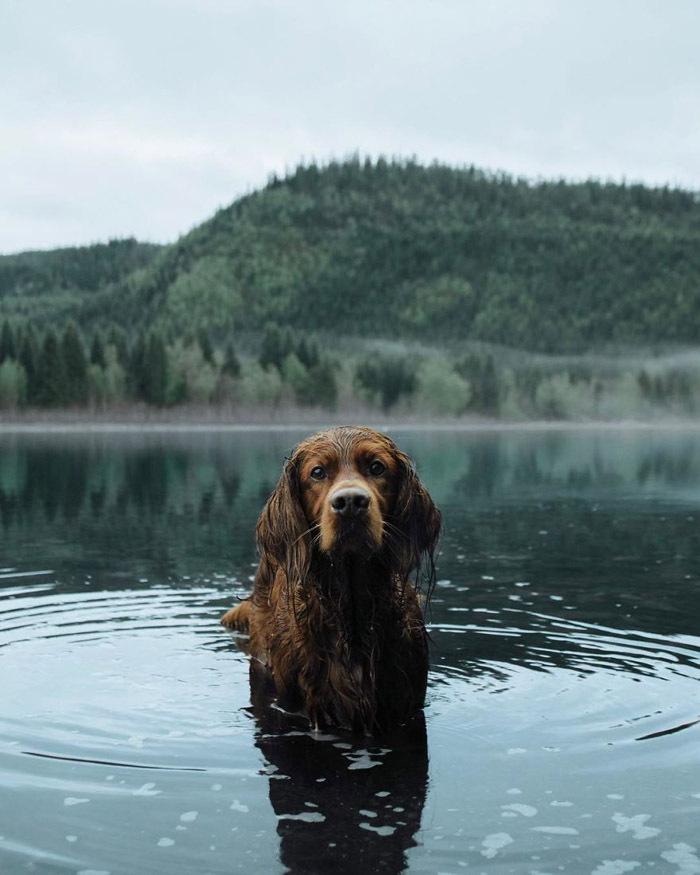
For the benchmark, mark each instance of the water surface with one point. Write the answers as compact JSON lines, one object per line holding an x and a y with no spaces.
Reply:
{"x":560,"y":731}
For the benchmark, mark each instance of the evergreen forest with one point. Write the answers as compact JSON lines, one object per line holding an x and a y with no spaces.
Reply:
{"x":376,"y":285}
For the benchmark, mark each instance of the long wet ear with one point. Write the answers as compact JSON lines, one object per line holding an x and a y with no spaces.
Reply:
{"x":419,"y":521}
{"x":282,"y":529}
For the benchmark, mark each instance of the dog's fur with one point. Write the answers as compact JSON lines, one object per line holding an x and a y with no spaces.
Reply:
{"x":333,"y":613}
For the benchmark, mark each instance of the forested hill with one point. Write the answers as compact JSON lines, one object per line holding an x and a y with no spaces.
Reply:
{"x":51,"y":285}
{"x":395,"y":249}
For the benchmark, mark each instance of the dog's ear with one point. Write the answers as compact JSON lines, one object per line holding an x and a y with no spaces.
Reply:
{"x":419,"y":521}
{"x":282,"y":531}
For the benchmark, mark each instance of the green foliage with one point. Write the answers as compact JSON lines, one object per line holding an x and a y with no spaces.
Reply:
{"x":480,"y":373}
{"x":75,"y":366}
{"x":323,"y":391}
{"x":97,"y":350}
{"x":296,"y":375}
{"x":441,"y":390}
{"x":395,"y":250}
{"x":29,"y":359}
{"x":190,"y":376}
{"x":260,"y":385}
{"x":155,"y":373}
{"x":13,"y":385}
{"x":386,"y":377}
{"x":8,"y":346}
{"x":84,"y":283}
{"x":50,"y":378}
{"x":231,"y":366}
{"x":444,"y":305}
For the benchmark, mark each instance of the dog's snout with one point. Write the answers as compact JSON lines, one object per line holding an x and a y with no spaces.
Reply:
{"x":350,"y":502}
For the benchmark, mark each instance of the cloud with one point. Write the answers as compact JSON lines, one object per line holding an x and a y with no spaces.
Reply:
{"x":144,"y":118}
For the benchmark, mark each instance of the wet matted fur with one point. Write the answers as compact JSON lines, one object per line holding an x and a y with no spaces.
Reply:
{"x":345,"y":540}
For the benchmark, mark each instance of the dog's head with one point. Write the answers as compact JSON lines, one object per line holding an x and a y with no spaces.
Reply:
{"x":349,"y":491}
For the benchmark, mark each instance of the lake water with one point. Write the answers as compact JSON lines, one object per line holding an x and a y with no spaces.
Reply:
{"x":560,"y":729}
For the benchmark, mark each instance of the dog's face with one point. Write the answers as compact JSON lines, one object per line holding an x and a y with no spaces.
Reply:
{"x":348,"y":490}
{"x":348,"y":483}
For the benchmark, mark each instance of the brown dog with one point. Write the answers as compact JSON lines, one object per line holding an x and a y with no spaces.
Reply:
{"x":333,"y":613}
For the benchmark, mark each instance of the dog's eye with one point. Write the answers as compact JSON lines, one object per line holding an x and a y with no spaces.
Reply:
{"x":377,"y":468}
{"x":317,"y":473}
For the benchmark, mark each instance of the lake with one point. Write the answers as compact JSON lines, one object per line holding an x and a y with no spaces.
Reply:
{"x":560,"y":731}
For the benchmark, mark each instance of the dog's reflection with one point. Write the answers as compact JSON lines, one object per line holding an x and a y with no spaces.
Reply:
{"x":343,"y":804}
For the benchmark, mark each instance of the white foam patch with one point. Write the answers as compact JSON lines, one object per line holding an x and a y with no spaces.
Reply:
{"x":636,"y":825}
{"x":685,"y":857}
{"x":166,"y":843}
{"x":518,"y":808}
{"x":189,"y":816}
{"x":305,"y":816}
{"x":364,"y":762}
{"x":615,"y":867}
{"x":556,"y":830}
{"x":74,"y":800}
{"x":239,"y":806}
{"x":495,"y":842}
{"x":380,"y":830}
{"x":146,"y":790}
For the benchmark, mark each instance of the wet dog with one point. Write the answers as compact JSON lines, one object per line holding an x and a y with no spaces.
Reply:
{"x":334,"y":613}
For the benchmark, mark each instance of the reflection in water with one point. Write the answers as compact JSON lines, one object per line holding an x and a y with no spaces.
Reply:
{"x":343,"y":805}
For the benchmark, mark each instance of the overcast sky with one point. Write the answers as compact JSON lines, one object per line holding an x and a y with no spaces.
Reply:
{"x":141,"y":118}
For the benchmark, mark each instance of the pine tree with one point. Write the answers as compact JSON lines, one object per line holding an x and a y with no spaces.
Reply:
{"x":136,"y":370}
{"x":51,"y":379}
{"x":308,"y":352}
{"x":271,"y":347}
{"x":8,"y":345}
{"x":97,"y":350}
{"x":206,"y":347}
{"x":324,"y":387}
{"x":117,"y":339}
{"x":156,"y":370}
{"x":231,"y":366}
{"x":29,"y":359}
{"x":75,"y":366}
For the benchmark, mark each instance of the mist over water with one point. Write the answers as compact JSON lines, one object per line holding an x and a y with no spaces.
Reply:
{"x":560,"y":729}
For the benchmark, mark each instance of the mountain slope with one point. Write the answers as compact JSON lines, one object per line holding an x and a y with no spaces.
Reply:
{"x":54,"y":285}
{"x":398,"y":250}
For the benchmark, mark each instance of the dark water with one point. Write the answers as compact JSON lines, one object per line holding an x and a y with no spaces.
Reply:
{"x":560,"y":732}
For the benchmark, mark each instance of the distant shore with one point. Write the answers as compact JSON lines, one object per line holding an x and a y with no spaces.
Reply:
{"x":208,"y":418}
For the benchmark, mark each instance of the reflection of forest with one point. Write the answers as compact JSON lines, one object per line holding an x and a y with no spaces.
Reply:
{"x":616,"y":509}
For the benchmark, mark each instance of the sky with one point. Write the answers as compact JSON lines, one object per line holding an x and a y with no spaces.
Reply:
{"x":143,"y":118}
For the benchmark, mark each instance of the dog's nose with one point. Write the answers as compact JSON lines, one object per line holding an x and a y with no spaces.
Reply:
{"x":350,"y":502}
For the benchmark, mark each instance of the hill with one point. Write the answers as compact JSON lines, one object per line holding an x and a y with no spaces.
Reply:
{"x":435,"y":253}
{"x":55,"y":285}
{"x":399,"y":250}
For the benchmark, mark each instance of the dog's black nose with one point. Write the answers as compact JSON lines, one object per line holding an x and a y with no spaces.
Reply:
{"x":350,"y":502}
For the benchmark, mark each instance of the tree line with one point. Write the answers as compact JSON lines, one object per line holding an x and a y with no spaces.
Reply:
{"x":64,"y":369}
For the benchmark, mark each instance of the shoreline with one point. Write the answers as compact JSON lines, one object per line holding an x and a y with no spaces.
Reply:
{"x":75,"y":422}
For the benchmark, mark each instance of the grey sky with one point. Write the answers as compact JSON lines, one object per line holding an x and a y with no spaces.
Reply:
{"x":121,"y":118}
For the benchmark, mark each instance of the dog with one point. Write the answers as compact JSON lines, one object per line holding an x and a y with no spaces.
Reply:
{"x":334,"y":614}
